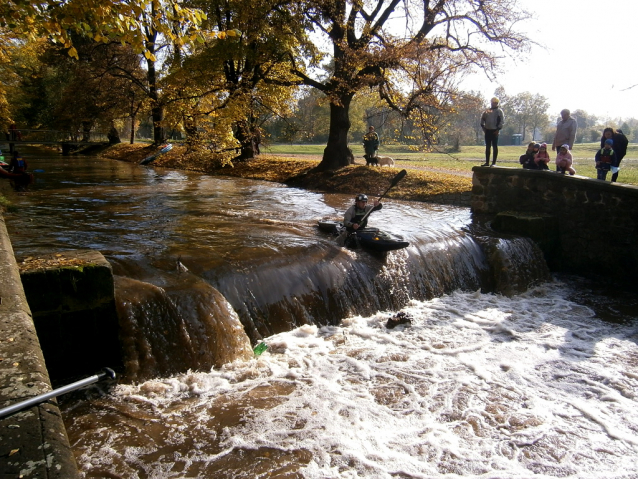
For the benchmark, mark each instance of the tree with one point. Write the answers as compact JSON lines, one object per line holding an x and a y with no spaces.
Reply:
{"x":245,"y":76}
{"x":586,"y":126}
{"x":529,"y":112}
{"x":7,"y":77}
{"x":409,"y":53}
{"x":139,"y":23}
{"x":55,"y":91}
{"x":101,"y":20}
{"x":465,"y":120}
{"x":538,"y":117}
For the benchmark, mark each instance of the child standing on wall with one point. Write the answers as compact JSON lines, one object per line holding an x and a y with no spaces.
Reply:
{"x":605,"y":158}
{"x":565,"y":160}
{"x":542,"y":158}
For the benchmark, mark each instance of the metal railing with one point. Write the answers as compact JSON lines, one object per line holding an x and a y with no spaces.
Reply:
{"x":55,"y":136}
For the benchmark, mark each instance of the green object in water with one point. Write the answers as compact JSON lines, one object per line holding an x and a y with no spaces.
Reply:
{"x":260,"y":348}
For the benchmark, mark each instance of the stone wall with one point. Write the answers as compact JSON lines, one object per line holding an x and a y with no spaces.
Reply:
{"x":72,"y":300}
{"x":595,"y":223}
{"x":33,"y":442}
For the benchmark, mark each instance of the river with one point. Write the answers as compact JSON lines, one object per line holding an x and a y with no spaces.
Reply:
{"x":504,"y":370}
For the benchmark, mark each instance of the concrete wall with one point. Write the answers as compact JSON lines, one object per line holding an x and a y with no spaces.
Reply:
{"x":72,"y":300}
{"x":33,"y":442}
{"x":595,"y":222}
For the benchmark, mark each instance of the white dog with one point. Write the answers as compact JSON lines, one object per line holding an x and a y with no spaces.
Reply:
{"x":385,"y":161}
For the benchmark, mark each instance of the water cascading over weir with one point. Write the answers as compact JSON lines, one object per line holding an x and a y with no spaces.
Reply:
{"x":195,"y":321}
{"x":206,"y":267}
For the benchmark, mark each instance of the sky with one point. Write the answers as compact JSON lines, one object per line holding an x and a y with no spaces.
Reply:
{"x":588,"y":61}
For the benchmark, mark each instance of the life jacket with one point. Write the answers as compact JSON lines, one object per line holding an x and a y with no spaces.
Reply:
{"x":358,"y":216}
{"x":605,"y":157}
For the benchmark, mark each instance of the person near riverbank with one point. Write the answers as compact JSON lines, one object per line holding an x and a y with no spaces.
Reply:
{"x":492,"y":121}
{"x":605,"y":158}
{"x":620,"y":148}
{"x":565,"y":160}
{"x":527,"y":159}
{"x":565,"y":131}
{"x":18,"y":164}
{"x":352,"y":218}
{"x":370,"y":144}
{"x":541,"y":159}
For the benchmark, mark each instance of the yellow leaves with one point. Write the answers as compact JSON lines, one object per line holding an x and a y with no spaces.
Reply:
{"x":73,"y":53}
{"x":150,"y":56}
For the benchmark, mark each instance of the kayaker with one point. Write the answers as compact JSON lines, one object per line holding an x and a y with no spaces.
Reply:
{"x":353,"y":215}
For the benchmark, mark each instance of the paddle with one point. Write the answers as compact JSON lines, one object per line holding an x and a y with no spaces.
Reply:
{"x":342,"y":237}
{"x":394,"y":182}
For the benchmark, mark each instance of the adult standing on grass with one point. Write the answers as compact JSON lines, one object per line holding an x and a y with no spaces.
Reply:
{"x":620,"y":148}
{"x":370,"y":143}
{"x":492,"y":121}
{"x":565,"y":131}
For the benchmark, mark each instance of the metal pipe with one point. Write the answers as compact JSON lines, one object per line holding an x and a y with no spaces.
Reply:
{"x":106,"y":373}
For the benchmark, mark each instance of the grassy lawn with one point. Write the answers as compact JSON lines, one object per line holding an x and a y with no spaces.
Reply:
{"x":470,"y":156}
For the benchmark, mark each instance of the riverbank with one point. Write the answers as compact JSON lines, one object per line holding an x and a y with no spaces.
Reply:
{"x":418,"y":185}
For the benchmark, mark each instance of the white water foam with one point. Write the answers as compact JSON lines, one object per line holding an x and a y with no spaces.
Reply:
{"x":478,"y":386}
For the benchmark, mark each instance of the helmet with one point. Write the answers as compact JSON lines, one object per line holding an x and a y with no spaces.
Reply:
{"x":361,"y":197}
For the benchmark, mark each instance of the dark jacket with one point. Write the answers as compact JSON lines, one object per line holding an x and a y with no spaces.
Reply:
{"x":527,"y":160}
{"x":620,"y":144}
{"x":354,"y":215}
{"x":371,"y":143}
{"x":18,"y":165}
{"x":605,"y":159}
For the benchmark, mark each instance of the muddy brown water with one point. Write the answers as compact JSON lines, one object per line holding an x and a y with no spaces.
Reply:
{"x":206,"y":267}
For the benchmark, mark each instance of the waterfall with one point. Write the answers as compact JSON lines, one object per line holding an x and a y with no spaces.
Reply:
{"x":330,"y":283}
{"x":190,"y":327}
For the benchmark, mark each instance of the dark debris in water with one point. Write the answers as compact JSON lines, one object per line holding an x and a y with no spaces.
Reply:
{"x":400,"y":318}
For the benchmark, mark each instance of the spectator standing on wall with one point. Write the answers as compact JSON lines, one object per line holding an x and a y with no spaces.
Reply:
{"x":605,"y":158}
{"x":492,"y":121}
{"x":565,"y":131}
{"x":620,"y":148}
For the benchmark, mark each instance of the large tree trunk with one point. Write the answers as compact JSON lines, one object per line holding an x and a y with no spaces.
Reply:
{"x":337,"y":154}
{"x":159,"y":133}
{"x":245,"y":136}
{"x":157,"y":108}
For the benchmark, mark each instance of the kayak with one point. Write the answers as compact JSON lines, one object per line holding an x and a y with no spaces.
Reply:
{"x":372,"y":239}
{"x":164,"y":149}
{"x":22,"y":178}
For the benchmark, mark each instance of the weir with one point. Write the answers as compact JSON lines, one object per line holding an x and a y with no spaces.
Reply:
{"x":205,"y":268}
{"x":192,"y":322}
{"x":586,"y":226}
